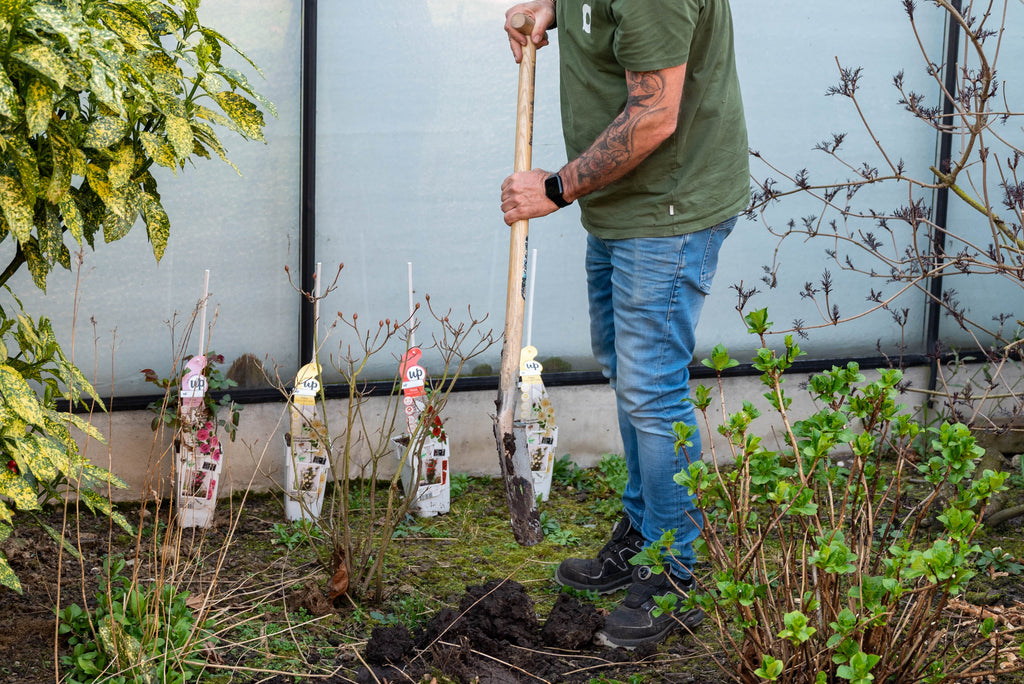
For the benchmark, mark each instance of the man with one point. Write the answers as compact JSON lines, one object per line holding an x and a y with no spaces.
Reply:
{"x":657,"y":147}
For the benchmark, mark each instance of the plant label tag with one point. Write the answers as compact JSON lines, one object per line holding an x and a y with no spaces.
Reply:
{"x":194,"y":387}
{"x":309,"y":387}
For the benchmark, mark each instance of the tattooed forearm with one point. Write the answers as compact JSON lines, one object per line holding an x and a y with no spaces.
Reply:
{"x":649,"y":117}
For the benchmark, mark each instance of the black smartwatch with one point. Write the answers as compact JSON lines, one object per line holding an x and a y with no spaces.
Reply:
{"x":553,"y":189}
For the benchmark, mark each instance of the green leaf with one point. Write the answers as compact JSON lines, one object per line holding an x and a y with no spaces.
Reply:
{"x":158,"y":225}
{"x":42,"y":61}
{"x":16,"y":207}
{"x":19,"y":396}
{"x":38,"y":107}
{"x":247,"y":117}
{"x":104,"y":131}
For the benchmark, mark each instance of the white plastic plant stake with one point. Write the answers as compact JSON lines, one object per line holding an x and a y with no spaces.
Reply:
{"x":423,"y":450}
{"x":200,"y":453}
{"x":535,"y":411}
{"x":306,"y":455}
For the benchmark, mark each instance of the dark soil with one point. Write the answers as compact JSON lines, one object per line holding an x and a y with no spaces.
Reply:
{"x":493,"y":633}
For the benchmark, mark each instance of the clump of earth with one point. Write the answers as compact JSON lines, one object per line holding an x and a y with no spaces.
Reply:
{"x":494,"y":635}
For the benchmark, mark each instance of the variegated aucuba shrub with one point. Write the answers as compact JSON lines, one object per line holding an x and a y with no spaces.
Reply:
{"x":93,"y":95}
{"x":40,"y":457}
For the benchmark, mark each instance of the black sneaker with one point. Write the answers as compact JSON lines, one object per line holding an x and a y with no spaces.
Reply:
{"x":611,"y":569}
{"x":633,"y":623}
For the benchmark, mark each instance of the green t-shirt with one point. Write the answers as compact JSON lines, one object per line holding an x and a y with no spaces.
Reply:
{"x":699,"y":176}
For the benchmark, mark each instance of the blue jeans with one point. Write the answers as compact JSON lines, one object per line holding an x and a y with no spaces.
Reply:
{"x":646,"y":295}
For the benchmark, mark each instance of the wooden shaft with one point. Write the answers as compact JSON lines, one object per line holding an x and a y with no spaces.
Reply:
{"x":513,"y":451}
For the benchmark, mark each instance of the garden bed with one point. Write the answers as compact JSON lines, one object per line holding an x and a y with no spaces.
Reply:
{"x":461,"y":601}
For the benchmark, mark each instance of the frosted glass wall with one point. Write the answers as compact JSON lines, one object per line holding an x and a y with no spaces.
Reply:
{"x":415,"y":132}
{"x":242,"y":226}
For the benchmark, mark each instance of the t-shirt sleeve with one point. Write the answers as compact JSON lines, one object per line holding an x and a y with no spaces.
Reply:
{"x":654,"y":34}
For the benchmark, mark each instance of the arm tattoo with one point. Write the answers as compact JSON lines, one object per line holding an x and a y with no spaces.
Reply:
{"x":614,"y":150}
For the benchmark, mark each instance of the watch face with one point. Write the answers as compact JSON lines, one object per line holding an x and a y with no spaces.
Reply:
{"x":553,"y":189}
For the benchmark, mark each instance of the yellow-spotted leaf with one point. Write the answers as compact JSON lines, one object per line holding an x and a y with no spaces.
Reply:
{"x":105,"y":131}
{"x":179,"y":133}
{"x":27,"y":329}
{"x":123,"y":166}
{"x":158,"y":149}
{"x":36,"y":452}
{"x":86,"y":427}
{"x":100,"y":183}
{"x":71,"y":216}
{"x":77,"y":382}
{"x":10,"y":106}
{"x":37,"y":266}
{"x":7,"y":576}
{"x":127,"y":27}
{"x":62,"y":540}
{"x":45,"y":63}
{"x":247,"y":117}
{"x":24,"y":157}
{"x":106,"y":85}
{"x":17,"y":490}
{"x":115,"y":227}
{"x":51,"y":235}
{"x":19,"y":396}
{"x":96,"y":502}
{"x":9,"y":9}
{"x":63,"y":160}
{"x":158,"y":226}
{"x":38,"y":107}
{"x":16,"y":207}
{"x":163,"y":72}
{"x":6,"y":515}
{"x":56,"y":427}
{"x":59,"y":21}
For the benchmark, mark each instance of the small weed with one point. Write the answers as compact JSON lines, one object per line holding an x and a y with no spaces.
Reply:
{"x":295,"y":533}
{"x":411,"y":610}
{"x":997,"y":560}
{"x":554,"y":533}
{"x":459,"y":484}
{"x":411,"y":527}
{"x":141,"y":633}
{"x":568,"y":474}
{"x":612,"y":475}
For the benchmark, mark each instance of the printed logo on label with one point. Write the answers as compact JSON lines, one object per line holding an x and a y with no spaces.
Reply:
{"x":586,"y":18}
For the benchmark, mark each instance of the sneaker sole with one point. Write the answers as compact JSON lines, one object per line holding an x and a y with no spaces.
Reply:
{"x":597,"y":589}
{"x":689,"y":620}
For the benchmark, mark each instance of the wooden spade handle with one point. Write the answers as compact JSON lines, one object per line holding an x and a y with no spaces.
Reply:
{"x":513,"y":452}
